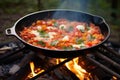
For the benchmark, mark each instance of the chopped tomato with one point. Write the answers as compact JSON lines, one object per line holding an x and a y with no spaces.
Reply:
{"x":62,"y":34}
{"x":89,"y":44}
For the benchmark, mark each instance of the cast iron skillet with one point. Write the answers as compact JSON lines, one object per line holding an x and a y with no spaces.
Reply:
{"x":56,"y":14}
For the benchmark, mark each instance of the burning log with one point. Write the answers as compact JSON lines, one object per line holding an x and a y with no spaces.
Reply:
{"x":49,"y":67}
{"x":21,"y":74}
{"x":11,"y":53}
{"x":70,"y":71}
{"x":4,"y":49}
{"x":18,"y":68}
{"x":24,"y":61}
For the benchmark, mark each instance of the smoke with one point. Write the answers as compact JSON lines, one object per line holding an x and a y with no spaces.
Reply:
{"x":81,"y":5}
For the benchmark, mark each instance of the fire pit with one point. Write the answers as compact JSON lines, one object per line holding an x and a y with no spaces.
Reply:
{"x":100,"y":64}
{"x":41,"y":63}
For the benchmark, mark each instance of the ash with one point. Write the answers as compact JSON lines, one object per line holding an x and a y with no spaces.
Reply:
{"x":6,"y":60}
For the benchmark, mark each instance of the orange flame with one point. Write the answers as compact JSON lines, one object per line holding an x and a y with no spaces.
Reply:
{"x":34,"y":71}
{"x":114,"y":78}
{"x":76,"y":69}
{"x":72,"y":65}
{"x":32,"y":68}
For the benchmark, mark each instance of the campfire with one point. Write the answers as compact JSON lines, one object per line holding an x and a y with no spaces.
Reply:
{"x":72,"y":65}
{"x":100,"y":64}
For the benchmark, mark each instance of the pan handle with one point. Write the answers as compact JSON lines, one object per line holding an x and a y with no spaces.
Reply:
{"x":10,"y":31}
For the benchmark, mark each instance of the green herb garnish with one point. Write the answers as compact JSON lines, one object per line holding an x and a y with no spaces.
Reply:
{"x":54,"y":43}
{"x":91,"y":37}
{"x":62,"y":27}
{"x":79,"y":41}
{"x":41,"y":43}
{"x":82,"y":47}
{"x":67,"y":48}
{"x":87,"y":27}
{"x":55,"y":24}
{"x":70,"y":29}
{"x":43,"y":34}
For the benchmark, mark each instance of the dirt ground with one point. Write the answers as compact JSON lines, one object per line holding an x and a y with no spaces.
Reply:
{"x":7,"y":21}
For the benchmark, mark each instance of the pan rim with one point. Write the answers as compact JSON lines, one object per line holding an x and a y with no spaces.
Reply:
{"x":103,"y":21}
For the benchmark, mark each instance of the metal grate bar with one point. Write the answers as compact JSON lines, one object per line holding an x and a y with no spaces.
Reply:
{"x":107,"y":59}
{"x":52,"y":68}
{"x":12,"y":53}
{"x":102,"y":66}
{"x":111,"y":51}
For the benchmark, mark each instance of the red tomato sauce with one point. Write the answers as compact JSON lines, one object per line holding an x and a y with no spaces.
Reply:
{"x":62,"y":34}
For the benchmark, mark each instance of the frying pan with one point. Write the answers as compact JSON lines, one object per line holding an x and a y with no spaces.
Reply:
{"x":72,"y":15}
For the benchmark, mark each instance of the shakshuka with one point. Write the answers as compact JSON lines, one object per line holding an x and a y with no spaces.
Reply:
{"x":62,"y":34}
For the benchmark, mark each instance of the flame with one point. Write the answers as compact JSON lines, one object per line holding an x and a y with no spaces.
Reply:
{"x":34,"y":71}
{"x":114,"y":78}
{"x":73,"y":66}
{"x":32,"y":67}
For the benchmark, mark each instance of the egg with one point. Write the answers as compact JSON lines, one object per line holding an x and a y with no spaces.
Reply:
{"x":51,"y":34}
{"x":81,"y":27}
{"x":65,"y":38}
{"x":36,"y":33}
{"x":51,"y":28}
{"x":78,"y":45}
{"x":62,"y":26}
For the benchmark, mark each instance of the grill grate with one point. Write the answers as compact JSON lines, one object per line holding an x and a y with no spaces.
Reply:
{"x":105,"y":59}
